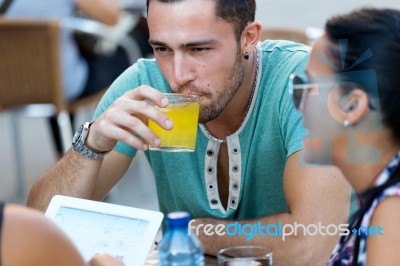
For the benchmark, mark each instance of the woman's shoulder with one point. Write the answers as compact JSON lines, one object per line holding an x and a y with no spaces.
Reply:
{"x":383,"y":243}
{"x":387,"y":209}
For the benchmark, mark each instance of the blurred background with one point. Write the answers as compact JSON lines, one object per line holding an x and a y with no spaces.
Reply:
{"x":35,"y":143}
{"x":310,"y":13}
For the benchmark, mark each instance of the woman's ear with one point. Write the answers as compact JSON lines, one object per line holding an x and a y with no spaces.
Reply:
{"x":251,"y":35}
{"x":351,"y":107}
{"x":356,"y":107}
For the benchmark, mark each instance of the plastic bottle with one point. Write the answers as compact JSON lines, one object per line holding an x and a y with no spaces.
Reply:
{"x":178,"y":248}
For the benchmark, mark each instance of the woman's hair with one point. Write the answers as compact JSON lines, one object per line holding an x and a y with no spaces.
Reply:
{"x":379,"y":31}
{"x":237,"y":12}
{"x":376,"y":30}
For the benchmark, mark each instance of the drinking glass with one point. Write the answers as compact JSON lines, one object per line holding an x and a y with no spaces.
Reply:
{"x":183,"y":110}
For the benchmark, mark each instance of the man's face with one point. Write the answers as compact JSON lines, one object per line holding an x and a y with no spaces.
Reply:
{"x":197,"y":52}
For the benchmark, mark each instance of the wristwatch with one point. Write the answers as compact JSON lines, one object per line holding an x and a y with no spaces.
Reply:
{"x":78,"y":143}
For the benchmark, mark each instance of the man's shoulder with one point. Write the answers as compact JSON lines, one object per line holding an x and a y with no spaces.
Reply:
{"x":143,"y":72}
{"x":144,"y":67}
{"x":283,"y":46}
{"x":147,"y":63}
{"x":283,"y":57}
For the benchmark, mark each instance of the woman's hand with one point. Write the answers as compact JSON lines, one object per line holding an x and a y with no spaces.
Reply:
{"x":105,"y":260}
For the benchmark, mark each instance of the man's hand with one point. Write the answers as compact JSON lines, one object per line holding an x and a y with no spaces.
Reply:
{"x":126,"y":120}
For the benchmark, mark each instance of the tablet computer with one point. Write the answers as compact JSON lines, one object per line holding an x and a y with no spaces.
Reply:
{"x":99,"y":227}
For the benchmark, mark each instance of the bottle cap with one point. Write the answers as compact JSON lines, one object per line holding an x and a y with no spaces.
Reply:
{"x":178,"y":219}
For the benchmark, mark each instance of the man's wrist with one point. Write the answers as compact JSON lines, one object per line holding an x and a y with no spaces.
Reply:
{"x":79,"y":143}
{"x":89,"y":143}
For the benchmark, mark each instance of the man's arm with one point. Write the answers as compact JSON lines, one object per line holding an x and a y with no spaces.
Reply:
{"x":314,"y":195}
{"x":77,"y":176}
{"x":124,"y":120}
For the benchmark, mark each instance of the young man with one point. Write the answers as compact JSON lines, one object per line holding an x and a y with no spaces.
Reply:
{"x":246,"y":164}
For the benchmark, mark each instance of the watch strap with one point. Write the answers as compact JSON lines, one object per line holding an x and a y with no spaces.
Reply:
{"x":79,"y":146}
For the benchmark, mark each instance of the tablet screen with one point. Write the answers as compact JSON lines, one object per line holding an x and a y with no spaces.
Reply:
{"x":96,"y":232}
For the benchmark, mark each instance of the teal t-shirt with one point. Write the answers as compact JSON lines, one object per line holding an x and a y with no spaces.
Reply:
{"x":258,"y":150}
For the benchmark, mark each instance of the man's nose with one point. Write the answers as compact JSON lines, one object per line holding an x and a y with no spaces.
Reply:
{"x":182,"y":70}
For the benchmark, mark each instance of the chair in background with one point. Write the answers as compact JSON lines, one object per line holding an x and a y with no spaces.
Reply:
{"x":109,"y":38}
{"x":31,"y":81}
{"x":30,"y":71}
{"x":30,"y":78}
{"x":305,"y":36}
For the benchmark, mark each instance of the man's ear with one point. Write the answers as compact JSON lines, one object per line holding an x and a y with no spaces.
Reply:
{"x":251,"y":35}
{"x":356,"y":107}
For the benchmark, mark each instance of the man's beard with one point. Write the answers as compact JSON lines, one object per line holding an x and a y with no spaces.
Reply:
{"x":233,"y":83}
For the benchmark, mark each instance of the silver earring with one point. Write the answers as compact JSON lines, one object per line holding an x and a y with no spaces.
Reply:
{"x":246,"y":55}
{"x":346,"y":123}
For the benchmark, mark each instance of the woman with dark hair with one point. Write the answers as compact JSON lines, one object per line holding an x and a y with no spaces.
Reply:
{"x":350,"y":105}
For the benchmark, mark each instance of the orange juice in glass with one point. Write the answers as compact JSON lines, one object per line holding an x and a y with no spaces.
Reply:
{"x":183,"y":110}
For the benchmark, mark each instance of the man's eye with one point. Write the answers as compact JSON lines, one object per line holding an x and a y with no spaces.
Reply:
{"x":200,"y":49}
{"x":160,"y":49}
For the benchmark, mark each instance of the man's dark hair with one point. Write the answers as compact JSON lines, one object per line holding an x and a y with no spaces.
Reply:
{"x":237,"y":12}
{"x":379,"y":31}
